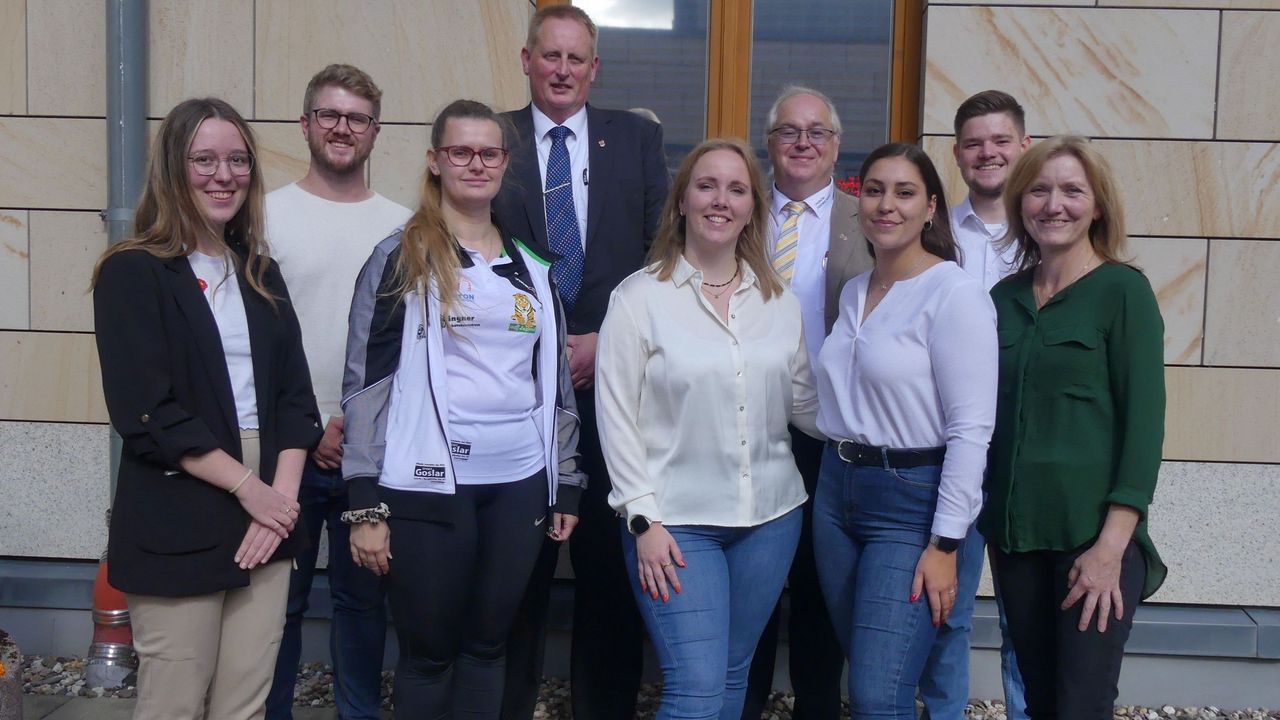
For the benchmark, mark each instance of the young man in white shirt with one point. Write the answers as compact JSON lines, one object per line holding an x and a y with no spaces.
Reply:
{"x":321,"y":230}
{"x":990,"y":137}
{"x":815,"y":245}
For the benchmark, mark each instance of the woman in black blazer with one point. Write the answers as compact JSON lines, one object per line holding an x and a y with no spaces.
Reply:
{"x":206,"y":382}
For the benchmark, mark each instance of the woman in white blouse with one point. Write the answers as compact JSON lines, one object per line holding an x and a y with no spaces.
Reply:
{"x":907,"y":388}
{"x":701,"y":365}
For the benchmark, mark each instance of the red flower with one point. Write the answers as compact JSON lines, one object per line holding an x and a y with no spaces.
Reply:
{"x":851,"y":185}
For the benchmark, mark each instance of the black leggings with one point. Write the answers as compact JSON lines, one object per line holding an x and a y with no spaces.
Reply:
{"x":1068,"y":673}
{"x":453,"y":590}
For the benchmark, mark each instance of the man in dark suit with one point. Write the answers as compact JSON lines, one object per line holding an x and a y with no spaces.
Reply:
{"x":589,"y":184}
{"x":816,"y":246}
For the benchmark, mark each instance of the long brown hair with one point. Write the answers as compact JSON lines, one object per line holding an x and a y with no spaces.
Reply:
{"x":168,"y":220}
{"x":1106,"y":234}
{"x":669,"y":243}
{"x":937,"y":238}
{"x":428,"y":252}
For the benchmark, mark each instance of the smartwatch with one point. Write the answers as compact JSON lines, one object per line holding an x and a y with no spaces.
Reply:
{"x":639,"y":525}
{"x":945,"y":544}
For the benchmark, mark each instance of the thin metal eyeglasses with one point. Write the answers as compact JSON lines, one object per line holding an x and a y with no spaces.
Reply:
{"x":239,"y":164}
{"x":460,"y":155}
{"x":787,"y":135}
{"x":328,"y":119}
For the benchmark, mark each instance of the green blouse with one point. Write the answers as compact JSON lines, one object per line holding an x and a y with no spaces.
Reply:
{"x":1079,"y":415}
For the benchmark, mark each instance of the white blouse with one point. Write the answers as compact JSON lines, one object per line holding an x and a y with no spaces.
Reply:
{"x":919,"y":372}
{"x":221,"y":289}
{"x":692,"y":410}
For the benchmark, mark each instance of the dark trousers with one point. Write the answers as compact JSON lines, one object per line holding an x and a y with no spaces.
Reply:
{"x":607,"y":651}
{"x":1068,"y":673}
{"x":814,"y":654}
{"x":358,"y":629}
{"x":453,"y":588}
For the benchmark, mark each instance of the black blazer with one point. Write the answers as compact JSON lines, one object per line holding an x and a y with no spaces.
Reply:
{"x":169,"y":394}
{"x":625,"y":193}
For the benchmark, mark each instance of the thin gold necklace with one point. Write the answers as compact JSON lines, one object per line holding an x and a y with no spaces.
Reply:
{"x":724,"y":285}
{"x":1042,"y":299}
{"x":908,"y":274}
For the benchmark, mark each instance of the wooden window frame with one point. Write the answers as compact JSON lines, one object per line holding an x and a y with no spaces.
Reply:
{"x":729,"y":68}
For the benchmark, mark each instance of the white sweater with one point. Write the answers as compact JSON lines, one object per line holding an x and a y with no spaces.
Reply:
{"x":320,"y":246}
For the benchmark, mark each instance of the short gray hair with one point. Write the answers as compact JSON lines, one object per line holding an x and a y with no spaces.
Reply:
{"x":790,"y":91}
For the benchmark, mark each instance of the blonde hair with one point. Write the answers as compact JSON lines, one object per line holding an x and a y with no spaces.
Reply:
{"x":1106,"y":234}
{"x":168,"y":220}
{"x":428,"y":251}
{"x":669,"y":243}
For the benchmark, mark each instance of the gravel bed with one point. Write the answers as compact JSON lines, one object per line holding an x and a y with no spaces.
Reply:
{"x":65,"y":676}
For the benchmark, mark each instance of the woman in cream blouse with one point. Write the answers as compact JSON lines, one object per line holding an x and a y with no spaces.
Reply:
{"x":700,"y":367}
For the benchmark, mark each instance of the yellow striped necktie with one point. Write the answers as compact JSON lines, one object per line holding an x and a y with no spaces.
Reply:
{"x":784,"y":251}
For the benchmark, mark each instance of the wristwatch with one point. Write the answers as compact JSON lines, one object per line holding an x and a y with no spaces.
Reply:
{"x":639,"y":525}
{"x":945,"y":544}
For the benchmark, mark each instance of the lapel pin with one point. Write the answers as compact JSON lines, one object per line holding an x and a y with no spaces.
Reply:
{"x":600,"y":142}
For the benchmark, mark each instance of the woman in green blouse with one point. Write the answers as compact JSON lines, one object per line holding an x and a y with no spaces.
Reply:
{"x":1079,"y":426}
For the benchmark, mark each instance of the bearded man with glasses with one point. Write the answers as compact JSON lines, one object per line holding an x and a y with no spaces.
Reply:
{"x":321,"y":230}
{"x":815,"y":246}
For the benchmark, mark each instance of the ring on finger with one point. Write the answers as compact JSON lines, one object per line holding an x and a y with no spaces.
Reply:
{"x":666,"y":565}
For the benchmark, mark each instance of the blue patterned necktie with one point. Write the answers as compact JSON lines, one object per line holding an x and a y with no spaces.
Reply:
{"x":563,"y":233}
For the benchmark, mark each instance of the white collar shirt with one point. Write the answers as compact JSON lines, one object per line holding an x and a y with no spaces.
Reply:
{"x":576,"y":142}
{"x":693,"y":410}
{"x":809,"y":279}
{"x":977,"y":240}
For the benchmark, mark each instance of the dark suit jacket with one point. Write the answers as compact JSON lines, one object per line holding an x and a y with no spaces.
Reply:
{"x":169,"y":394}
{"x":627,"y":188}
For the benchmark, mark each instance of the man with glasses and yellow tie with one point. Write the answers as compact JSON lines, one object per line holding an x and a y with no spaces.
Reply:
{"x":816,"y":247}
{"x":321,"y":230}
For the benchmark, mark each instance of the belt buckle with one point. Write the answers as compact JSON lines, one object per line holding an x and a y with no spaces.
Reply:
{"x":852,"y":447}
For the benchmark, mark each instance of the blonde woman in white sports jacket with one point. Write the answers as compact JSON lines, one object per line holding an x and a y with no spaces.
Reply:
{"x":460,"y":426}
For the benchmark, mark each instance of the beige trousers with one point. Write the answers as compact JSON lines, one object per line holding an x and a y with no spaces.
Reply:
{"x":211,"y":657}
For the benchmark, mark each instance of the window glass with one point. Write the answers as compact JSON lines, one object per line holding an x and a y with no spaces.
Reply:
{"x":653,"y":55}
{"x":840,"y":47}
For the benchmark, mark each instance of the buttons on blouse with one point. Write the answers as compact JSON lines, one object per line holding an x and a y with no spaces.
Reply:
{"x":145,"y":418}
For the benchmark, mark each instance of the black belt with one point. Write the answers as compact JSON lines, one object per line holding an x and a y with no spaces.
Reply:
{"x":872,"y":456}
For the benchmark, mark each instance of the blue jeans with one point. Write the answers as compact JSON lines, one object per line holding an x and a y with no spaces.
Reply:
{"x":358,"y":629}
{"x":870,"y":526}
{"x":944,"y":686}
{"x":706,"y":635}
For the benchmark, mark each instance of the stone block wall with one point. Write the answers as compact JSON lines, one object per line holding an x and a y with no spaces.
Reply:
{"x":256,"y":54}
{"x":1181,"y":97}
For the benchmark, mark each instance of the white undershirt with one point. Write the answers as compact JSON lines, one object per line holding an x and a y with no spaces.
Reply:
{"x":809,"y":281}
{"x":579,"y":159}
{"x":488,"y":357}
{"x":222,"y":291}
{"x":920,"y":372}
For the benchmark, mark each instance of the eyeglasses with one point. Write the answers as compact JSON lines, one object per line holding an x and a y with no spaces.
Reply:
{"x":787,"y":135}
{"x":207,"y":164}
{"x":328,"y":119}
{"x":460,"y":155}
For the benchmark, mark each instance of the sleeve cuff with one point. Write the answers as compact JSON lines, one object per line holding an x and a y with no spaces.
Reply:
{"x":362,"y":493}
{"x":567,"y":499}
{"x":1131,"y":498}
{"x":645,"y":505}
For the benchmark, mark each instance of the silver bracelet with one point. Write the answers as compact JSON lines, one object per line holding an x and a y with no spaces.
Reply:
{"x":372,"y":515}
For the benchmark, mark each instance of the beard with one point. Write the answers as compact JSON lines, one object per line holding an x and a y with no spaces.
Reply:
{"x":355,"y":164}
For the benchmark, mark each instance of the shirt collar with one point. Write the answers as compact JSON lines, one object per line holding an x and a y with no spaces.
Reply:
{"x":685,"y":272}
{"x":577,"y":123}
{"x":963,"y":215}
{"x":819,"y":203}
